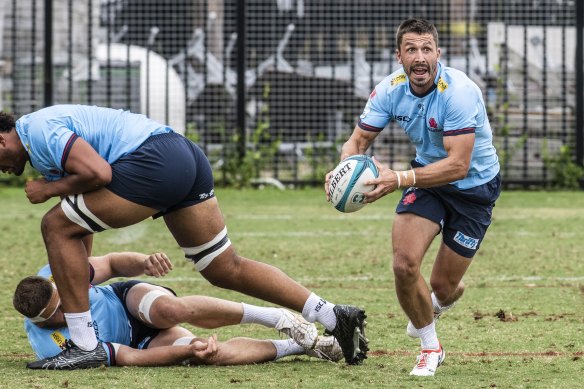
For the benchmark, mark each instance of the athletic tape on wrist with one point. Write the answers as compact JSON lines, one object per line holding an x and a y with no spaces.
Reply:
{"x":398,"y":179}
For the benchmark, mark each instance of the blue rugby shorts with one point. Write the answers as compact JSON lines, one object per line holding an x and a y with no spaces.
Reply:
{"x":167,"y":172}
{"x":142,"y":334}
{"x":464,"y":215}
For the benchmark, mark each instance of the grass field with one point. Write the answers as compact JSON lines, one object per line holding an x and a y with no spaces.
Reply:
{"x":520,"y":323}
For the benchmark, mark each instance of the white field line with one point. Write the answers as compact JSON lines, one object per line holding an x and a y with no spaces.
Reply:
{"x":314,"y":234}
{"x":469,"y":280}
{"x":338,"y":216}
{"x":386,"y":231}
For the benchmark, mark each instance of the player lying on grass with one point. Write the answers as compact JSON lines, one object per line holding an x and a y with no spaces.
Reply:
{"x":137,"y":322}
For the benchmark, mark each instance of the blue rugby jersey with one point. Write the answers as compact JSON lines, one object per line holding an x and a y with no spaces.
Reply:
{"x":454,"y":106}
{"x":109,"y":320}
{"x":49,"y":133}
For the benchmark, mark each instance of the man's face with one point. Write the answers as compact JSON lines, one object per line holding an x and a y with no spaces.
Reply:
{"x":57,"y":320}
{"x":13,"y":156}
{"x":419,"y":57}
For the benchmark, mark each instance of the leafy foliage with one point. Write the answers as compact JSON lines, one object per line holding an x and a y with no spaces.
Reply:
{"x":567,"y":173}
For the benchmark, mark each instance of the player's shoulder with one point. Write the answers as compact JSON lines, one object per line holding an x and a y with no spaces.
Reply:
{"x":452,"y":80}
{"x":391,"y":83}
{"x":396,"y":81}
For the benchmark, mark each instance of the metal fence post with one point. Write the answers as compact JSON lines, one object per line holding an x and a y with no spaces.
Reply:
{"x":579,"y":66}
{"x":241,"y":87}
{"x":48,"y":63}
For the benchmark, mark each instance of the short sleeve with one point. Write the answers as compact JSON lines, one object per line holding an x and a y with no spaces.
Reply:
{"x":376,"y":113}
{"x":50,"y":141}
{"x":462,"y":110}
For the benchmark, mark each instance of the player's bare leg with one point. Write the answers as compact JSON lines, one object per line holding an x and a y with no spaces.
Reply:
{"x":167,"y":310}
{"x":447,"y":273}
{"x":65,"y":243}
{"x":412,"y":235}
{"x":229,"y":270}
{"x":446,"y":282}
{"x":199,"y":224}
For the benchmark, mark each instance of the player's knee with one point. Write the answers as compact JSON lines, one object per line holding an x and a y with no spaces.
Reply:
{"x":54,"y":225}
{"x":167,"y":312}
{"x":445,"y":290}
{"x":441,"y":290}
{"x":225,"y":270}
{"x":153,"y":308}
{"x":405,"y":268}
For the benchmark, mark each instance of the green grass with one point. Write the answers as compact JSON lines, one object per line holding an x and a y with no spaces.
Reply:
{"x":530,"y":268}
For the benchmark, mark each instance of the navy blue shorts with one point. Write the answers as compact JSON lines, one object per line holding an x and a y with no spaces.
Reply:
{"x":167,"y":172}
{"x":464,"y":215}
{"x":142,"y":335}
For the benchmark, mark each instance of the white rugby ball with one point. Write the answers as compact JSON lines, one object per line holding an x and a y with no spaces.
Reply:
{"x":347,"y":182}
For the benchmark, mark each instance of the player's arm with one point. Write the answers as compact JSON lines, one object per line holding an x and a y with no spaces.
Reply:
{"x":86,"y":170}
{"x":128,"y":264}
{"x":201,"y":349}
{"x":358,"y":143}
{"x":452,"y":168}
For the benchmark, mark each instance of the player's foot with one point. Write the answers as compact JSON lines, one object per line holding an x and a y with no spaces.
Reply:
{"x":75,"y":358}
{"x":412,"y":332}
{"x":428,"y":361}
{"x":296,"y":327}
{"x":327,"y":348}
{"x":350,"y":333}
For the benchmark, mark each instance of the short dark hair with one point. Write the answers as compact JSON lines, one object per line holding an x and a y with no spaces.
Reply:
{"x":32,"y":295}
{"x":6,"y":122}
{"x":417,"y":26}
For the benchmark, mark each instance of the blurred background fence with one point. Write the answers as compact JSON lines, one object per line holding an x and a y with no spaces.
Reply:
{"x":272,"y":88}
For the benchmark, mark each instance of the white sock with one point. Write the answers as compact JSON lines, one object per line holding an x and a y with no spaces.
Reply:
{"x":81,"y":330}
{"x":320,"y":310}
{"x":285,"y":347}
{"x":265,"y":316}
{"x":428,"y":337}
{"x":437,"y":305}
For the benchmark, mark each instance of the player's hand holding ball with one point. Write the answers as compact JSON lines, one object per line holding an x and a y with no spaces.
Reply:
{"x":347,"y":182}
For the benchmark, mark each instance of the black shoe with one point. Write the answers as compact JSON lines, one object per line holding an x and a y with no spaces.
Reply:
{"x":350,"y":332}
{"x":75,"y":358}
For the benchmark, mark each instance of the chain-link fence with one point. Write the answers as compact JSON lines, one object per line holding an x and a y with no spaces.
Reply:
{"x":302,"y":75}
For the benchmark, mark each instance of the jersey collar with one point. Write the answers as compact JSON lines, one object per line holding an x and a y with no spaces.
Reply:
{"x":434,"y":86}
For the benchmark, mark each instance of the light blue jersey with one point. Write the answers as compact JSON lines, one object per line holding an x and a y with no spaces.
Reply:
{"x":48,"y":134}
{"x":453,"y":106}
{"x":109,"y":321}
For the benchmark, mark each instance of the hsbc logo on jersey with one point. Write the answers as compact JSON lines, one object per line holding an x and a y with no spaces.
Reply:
{"x":402,"y":118}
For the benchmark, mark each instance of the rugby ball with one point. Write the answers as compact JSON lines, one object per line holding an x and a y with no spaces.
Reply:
{"x":347,"y":182}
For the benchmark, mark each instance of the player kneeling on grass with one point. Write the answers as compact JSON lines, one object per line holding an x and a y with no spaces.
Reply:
{"x":137,"y":322}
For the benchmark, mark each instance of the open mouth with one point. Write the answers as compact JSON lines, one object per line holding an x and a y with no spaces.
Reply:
{"x":420,"y":71}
